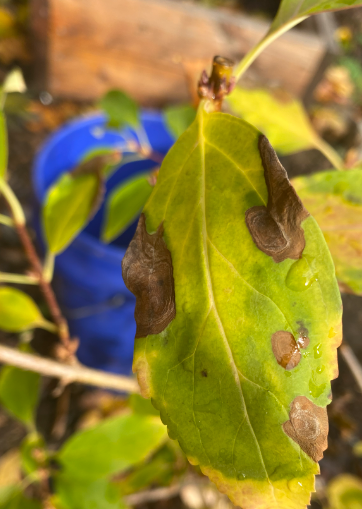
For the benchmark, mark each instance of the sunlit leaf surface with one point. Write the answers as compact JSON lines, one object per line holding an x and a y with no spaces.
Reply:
{"x":335,"y":200}
{"x":213,"y":371}
{"x":282,"y":119}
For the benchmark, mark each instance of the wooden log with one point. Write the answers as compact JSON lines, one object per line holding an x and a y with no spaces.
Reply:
{"x":151,"y":48}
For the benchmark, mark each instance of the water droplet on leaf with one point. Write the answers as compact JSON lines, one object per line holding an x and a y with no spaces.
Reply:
{"x":301,"y":275}
{"x":317,"y":351}
{"x":295,"y":486}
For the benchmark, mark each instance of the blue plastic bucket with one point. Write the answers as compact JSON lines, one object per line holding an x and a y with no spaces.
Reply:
{"x":88,"y":277}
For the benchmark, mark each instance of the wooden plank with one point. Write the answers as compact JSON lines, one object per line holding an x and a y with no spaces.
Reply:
{"x":145,"y":46}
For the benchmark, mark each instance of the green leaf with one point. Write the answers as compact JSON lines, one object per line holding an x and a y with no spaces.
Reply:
{"x":295,"y":10}
{"x":33,"y":455}
{"x":179,"y":118}
{"x":68,"y":206}
{"x":19,"y":501}
{"x":282,"y":119}
{"x":3,"y":145}
{"x":18,"y":311}
{"x":19,"y":391}
{"x":124,"y":204}
{"x":345,"y":492}
{"x":141,"y":405}
{"x":290,"y":13}
{"x":120,"y":109}
{"x":284,"y":122}
{"x":160,"y":469}
{"x":115,"y":445}
{"x":334,"y":198}
{"x":80,"y":494}
{"x":211,"y":372}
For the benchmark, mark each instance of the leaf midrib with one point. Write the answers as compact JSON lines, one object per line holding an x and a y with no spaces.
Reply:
{"x":211,"y":292}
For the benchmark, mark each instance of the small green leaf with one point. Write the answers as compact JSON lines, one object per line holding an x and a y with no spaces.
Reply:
{"x":335,"y":200}
{"x":214,"y":371}
{"x":179,"y":118}
{"x":19,"y":391}
{"x":80,"y":494}
{"x":33,"y":455}
{"x":3,"y":146}
{"x":115,"y":445}
{"x":120,"y":109}
{"x":18,"y":311}
{"x":124,"y":205}
{"x":68,"y":206}
{"x":345,"y":492}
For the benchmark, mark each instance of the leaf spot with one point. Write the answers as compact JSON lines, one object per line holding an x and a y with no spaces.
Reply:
{"x":204,"y":373}
{"x":276,"y":228}
{"x":147,"y":272}
{"x":308,"y":427}
{"x":285,"y":349}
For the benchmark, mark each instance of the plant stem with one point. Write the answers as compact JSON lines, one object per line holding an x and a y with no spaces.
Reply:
{"x":20,"y":279}
{"x":15,"y":207}
{"x":49,"y":326}
{"x":6,"y":220}
{"x":48,"y":266}
{"x":44,"y":285}
{"x":67,"y":373}
{"x":19,"y":221}
{"x":249,"y":58}
{"x":352,"y":362}
{"x":329,"y":153}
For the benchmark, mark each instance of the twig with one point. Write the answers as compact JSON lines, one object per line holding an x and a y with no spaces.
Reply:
{"x":44,"y":285}
{"x":66,"y":372}
{"x":352,"y":362}
{"x":19,"y":221}
{"x":153,"y":495}
{"x":21,"y":279}
{"x":6,"y":220}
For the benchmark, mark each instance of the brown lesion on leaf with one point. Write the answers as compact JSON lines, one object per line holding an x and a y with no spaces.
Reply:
{"x":286,"y":349}
{"x":303,"y":339}
{"x":276,"y":228}
{"x":148,"y":274}
{"x":308,"y":427}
